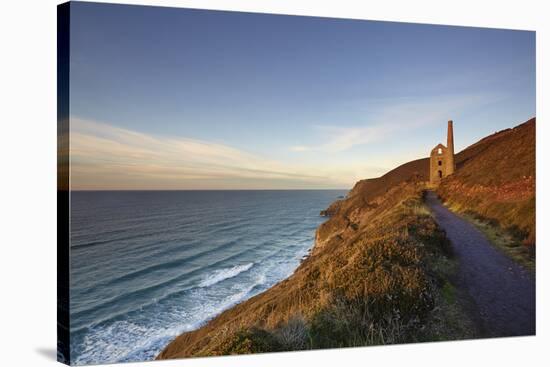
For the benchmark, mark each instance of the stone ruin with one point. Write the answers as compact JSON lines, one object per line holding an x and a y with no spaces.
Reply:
{"x":442,"y":158}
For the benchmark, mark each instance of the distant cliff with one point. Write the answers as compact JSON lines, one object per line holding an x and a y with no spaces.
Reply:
{"x":379,"y":269}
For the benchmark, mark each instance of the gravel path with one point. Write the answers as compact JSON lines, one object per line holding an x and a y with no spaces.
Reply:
{"x":503,"y":292}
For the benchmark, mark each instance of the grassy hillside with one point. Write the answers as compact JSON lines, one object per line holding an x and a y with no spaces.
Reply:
{"x":378,"y":282}
{"x":365,"y":196}
{"x":380,"y":266}
{"x":495,"y":183}
{"x":372,"y":187}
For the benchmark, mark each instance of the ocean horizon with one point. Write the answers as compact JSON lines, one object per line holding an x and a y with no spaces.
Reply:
{"x":147,"y":265}
{"x":195,"y":190}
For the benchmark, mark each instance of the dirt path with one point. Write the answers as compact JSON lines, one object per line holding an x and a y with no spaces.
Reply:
{"x":503,"y":292}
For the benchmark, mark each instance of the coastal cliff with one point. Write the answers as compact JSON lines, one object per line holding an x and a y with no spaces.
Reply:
{"x":379,"y":271}
{"x":374,"y":277}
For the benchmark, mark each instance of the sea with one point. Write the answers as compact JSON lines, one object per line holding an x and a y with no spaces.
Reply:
{"x":147,"y":266}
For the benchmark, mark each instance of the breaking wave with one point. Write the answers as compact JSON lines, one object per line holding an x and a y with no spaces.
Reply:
{"x":199,"y":253}
{"x":223,"y":274}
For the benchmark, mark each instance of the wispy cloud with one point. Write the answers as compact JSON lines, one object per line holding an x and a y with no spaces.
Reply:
{"x":104,"y":156}
{"x":400,"y":117}
{"x":107,"y":157}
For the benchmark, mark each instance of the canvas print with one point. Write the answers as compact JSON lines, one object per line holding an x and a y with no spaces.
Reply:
{"x":235,"y":183}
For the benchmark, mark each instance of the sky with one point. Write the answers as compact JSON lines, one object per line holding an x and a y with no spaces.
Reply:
{"x":167,"y":99}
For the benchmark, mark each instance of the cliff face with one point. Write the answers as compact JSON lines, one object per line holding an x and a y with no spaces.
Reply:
{"x":378,"y":271}
{"x":366,"y":282}
{"x":495,"y":180}
{"x":352,"y":213}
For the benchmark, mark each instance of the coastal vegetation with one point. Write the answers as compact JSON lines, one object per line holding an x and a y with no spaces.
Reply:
{"x":381,"y":270}
{"x":494,"y":187}
{"x":380,"y":275}
{"x":508,"y":241}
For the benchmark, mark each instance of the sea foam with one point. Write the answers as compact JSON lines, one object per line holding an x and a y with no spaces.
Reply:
{"x":195,"y":254}
{"x":223,"y":274}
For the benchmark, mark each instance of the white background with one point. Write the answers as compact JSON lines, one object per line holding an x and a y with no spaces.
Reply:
{"x":28,"y":182}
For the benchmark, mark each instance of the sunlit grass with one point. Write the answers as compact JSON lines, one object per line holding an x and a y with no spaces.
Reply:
{"x":506,"y":242}
{"x":384,"y":280}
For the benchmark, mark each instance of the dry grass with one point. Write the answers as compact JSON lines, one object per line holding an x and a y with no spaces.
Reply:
{"x":381,"y":269}
{"x":507,"y":242}
{"x":377,"y":278}
{"x":495,"y":186}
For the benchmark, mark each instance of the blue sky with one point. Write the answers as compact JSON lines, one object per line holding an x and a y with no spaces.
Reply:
{"x":165,"y":98}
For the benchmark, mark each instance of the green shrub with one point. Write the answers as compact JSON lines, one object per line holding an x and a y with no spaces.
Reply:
{"x":254,"y":340}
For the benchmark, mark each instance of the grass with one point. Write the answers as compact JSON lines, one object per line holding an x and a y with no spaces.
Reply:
{"x":448,"y":293}
{"x":382,"y":270}
{"x":509,"y":243}
{"x":383,"y":277}
{"x":494,"y":188}
{"x":449,"y":320}
{"x":435,"y":313}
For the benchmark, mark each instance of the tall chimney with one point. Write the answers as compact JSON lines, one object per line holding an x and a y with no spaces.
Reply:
{"x":450,"y":149}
